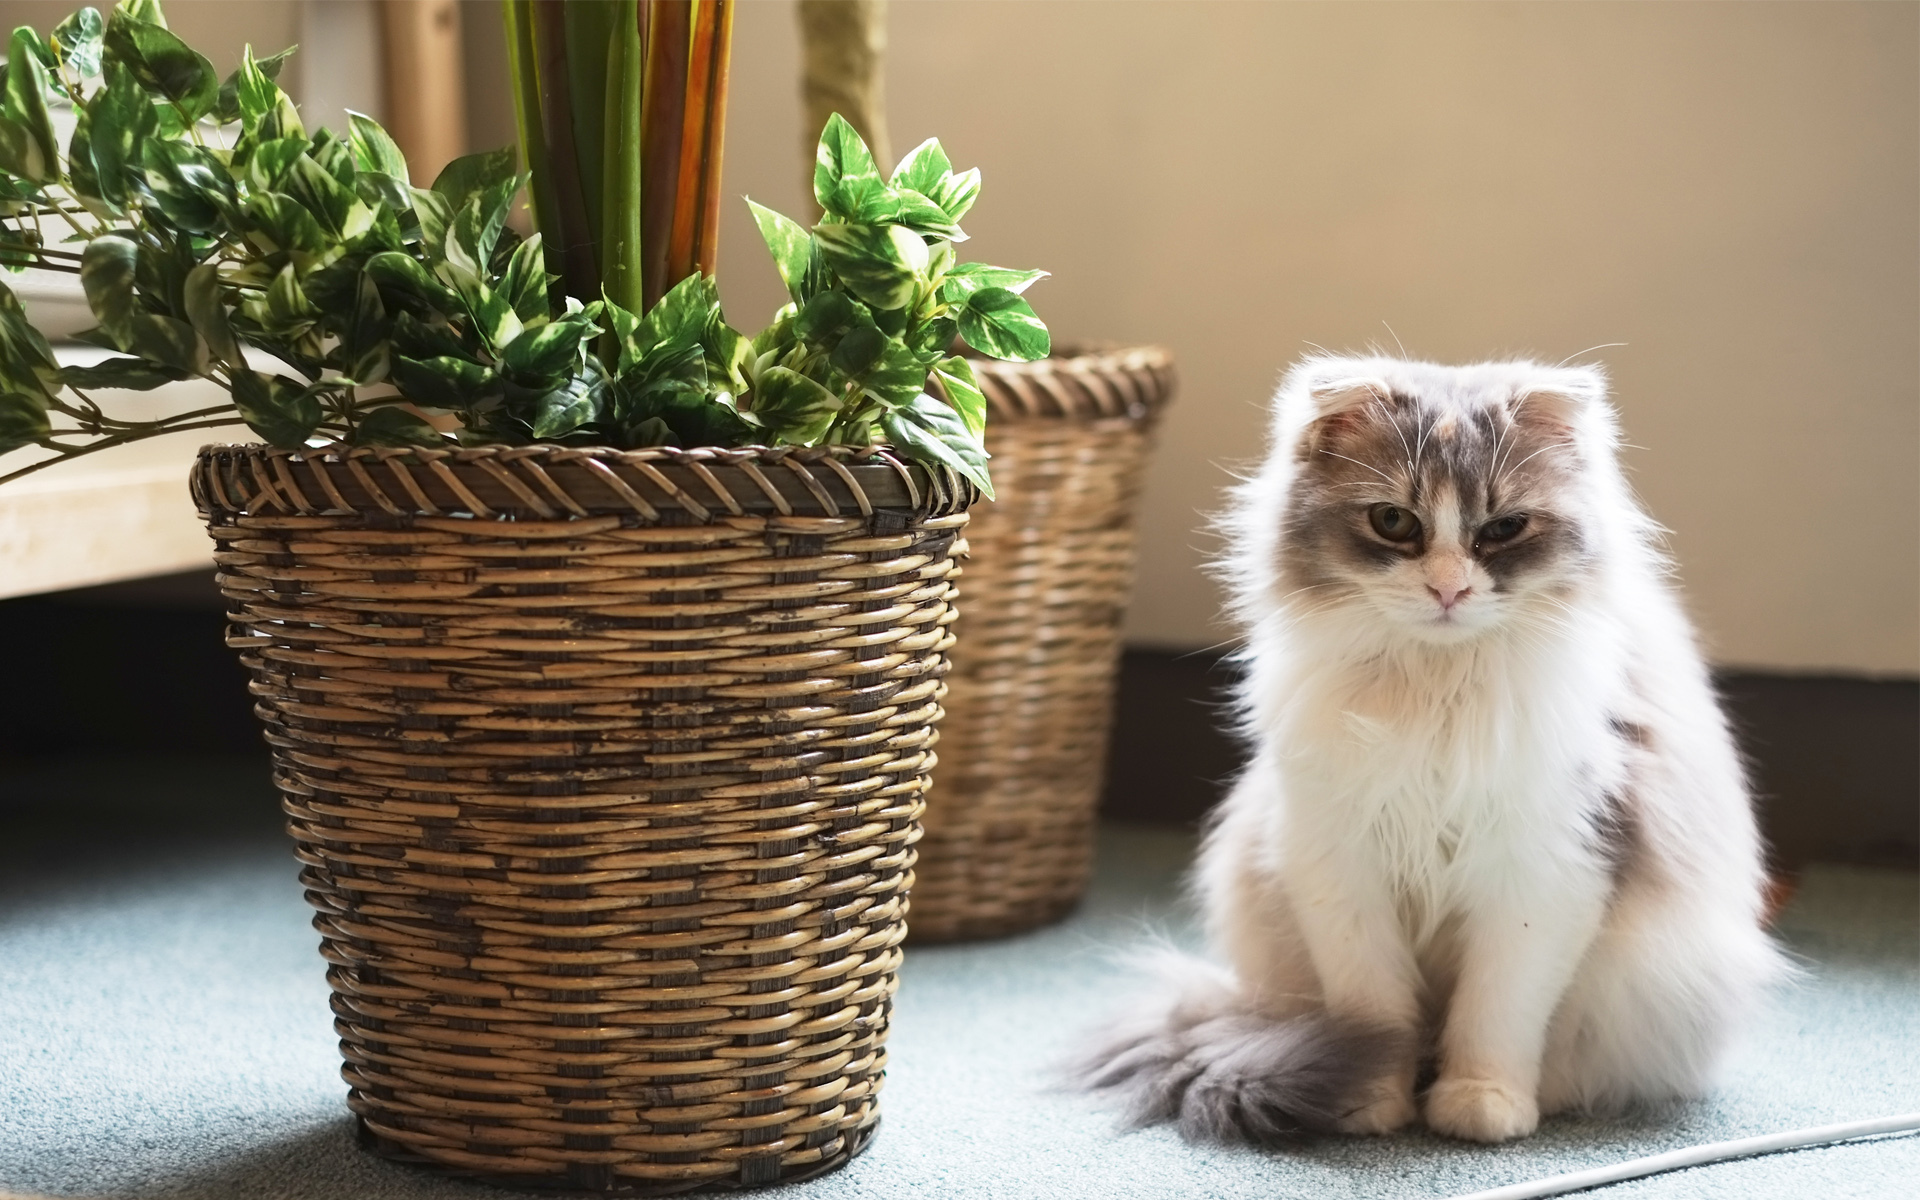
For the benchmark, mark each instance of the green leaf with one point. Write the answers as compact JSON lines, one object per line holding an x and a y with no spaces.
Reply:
{"x":27,"y":365}
{"x":389,"y":196}
{"x":727,"y":352}
{"x":825,"y":319}
{"x":792,"y":407}
{"x":268,"y":163}
{"x":131,"y":374}
{"x":779,"y":335}
{"x":403,"y":274}
{"x":332,"y":205}
{"x":477,"y":224}
{"x":463,"y":177}
{"x":118,"y":119}
{"x":564,"y":409}
{"x":163,"y":63}
{"x":434,"y":212}
{"x":859,"y":351}
{"x":963,"y":392}
{"x":792,"y":249}
{"x":923,"y":216}
{"x":967,"y":278}
{"x":374,"y":149}
{"x":894,"y":376}
{"x":365,"y":353}
{"x":207,"y":310}
{"x":493,"y":318}
{"x":998,"y":323}
{"x":78,"y":38}
{"x":846,"y":180}
{"x":936,"y":336}
{"x":278,"y":222}
{"x":958,"y":193}
{"x":263,"y":110}
{"x":285,"y":311}
{"x":444,"y":382}
{"x":420,"y":340}
{"x":924,"y":169}
{"x":525,"y":281}
{"x":692,"y":419}
{"x":107,"y":272}
{"x":391,"y":425}
{"x":680,"y":317}
{"x":170,"y":342}
{"x":145,"y":10}
{"x":930,"y":432}
{"x":23,"y":421}
{"x":226,"y":109}
{"x":27,"y":145}
{"x":188,"y":184}
{"x":276,"y":408}
{"x":639,"y":390}
{"x":546,"y":351}
{"x":879,"y":263}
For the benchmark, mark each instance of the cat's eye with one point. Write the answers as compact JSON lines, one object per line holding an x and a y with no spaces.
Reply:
{"x":1394,"y":523}
{"x":1503,"y":530}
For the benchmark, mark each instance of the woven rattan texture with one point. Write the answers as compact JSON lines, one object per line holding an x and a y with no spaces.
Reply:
{"x":1009,"y":840}
{"x":609,"y":820}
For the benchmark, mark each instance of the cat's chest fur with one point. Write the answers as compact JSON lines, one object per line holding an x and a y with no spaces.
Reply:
{"x":1444,"y":770}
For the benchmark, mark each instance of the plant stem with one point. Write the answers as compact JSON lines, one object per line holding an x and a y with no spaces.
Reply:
{"x":687,"y":207}
{"x":668,"y":32}
{"x":579,"y":273}
{"x":620,"y":206}
{"x":707,"y":247}
{"x":523,"y":71}
{"x":67,"y":453}
{"x":590,"y":33}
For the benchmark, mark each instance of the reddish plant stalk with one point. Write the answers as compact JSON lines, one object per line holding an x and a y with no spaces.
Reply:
{"x":662,"y":115}
{"x":693,"y":144}
{"x":707,"y":245}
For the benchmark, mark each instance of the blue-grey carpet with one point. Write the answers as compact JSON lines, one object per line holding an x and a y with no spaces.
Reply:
{"x":164,"y":1032}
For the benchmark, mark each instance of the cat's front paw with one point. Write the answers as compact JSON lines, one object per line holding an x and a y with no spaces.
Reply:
{"x":1387,"y":1106}
{"x":1480,"y":1110}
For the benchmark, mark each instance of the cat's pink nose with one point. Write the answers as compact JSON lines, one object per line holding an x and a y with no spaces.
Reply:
{"x":1448,"y":596}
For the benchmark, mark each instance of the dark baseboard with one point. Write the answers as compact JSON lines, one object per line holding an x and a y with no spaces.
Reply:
{"x":1835,"y":761}
{"x":140,"y":669}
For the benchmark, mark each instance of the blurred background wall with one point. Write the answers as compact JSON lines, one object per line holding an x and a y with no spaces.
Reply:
{"x":1732,"y":190}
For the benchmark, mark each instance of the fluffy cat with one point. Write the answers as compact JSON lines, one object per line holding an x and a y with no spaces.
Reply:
{"x":1494,"y":831}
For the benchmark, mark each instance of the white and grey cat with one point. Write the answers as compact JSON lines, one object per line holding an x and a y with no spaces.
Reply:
{"x":1494,"y":832}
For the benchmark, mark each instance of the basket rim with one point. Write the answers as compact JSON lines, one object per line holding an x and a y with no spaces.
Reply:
{"x":551,"y":481}
{"x":1082,"y":380}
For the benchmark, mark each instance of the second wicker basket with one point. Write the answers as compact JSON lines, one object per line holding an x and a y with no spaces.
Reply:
{"x":1009,"y":842}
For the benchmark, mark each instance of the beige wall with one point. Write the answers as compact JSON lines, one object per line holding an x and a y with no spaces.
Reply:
{"x":1733,"y":190}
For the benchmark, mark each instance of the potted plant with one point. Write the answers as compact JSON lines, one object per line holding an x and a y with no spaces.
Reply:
{"x":599,"y":645}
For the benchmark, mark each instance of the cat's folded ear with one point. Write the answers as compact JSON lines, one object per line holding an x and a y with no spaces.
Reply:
{"x":1558,"y":400}
{"x":1331,"y":397}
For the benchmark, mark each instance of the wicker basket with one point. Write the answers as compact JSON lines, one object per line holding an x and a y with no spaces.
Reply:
{"x":606,"y":770}
{"x":1009,"y":840}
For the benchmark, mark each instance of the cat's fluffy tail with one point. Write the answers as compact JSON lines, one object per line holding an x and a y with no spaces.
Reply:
{"x":1200,"y":1056}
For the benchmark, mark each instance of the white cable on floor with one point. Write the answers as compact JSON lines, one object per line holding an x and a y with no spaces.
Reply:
{"x":1694,"y":1156}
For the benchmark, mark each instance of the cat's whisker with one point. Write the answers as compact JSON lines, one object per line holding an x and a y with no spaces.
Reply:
{"x":1356,"y":462}
{"x":1589,"y":350}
